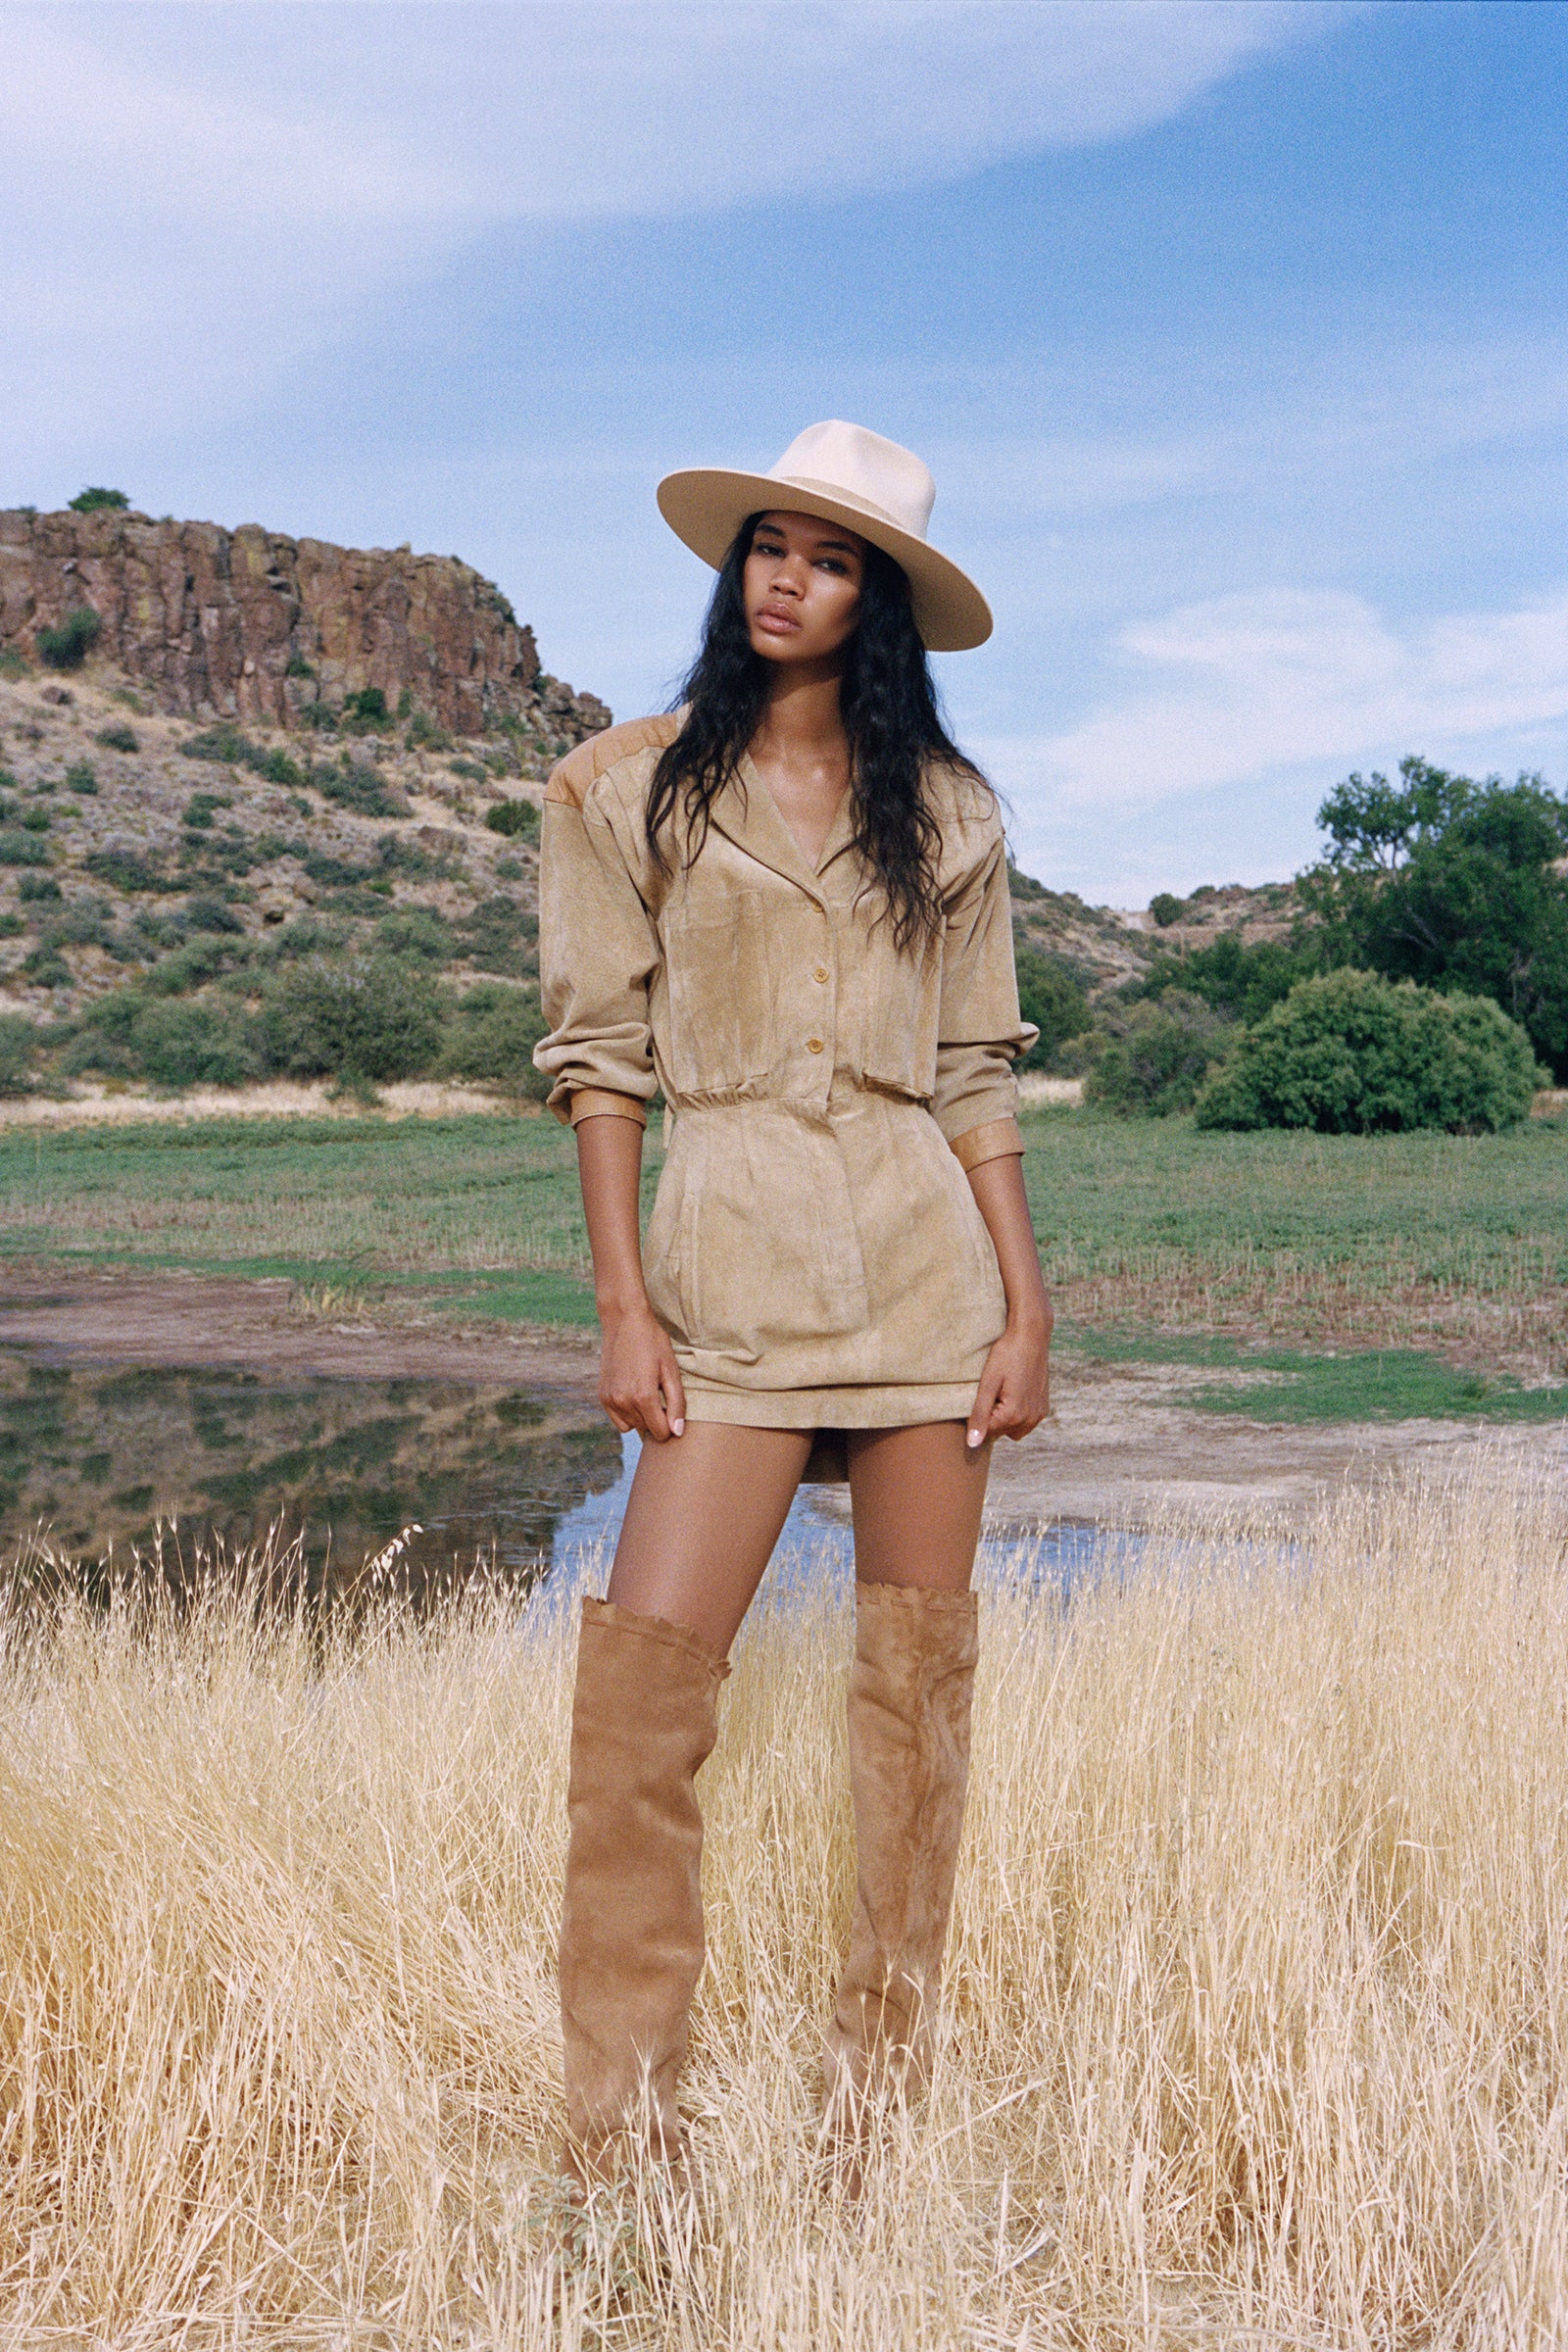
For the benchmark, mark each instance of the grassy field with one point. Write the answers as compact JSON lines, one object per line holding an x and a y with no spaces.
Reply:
{"x":1258,"y":1989}
{"x":1448,"y":1247}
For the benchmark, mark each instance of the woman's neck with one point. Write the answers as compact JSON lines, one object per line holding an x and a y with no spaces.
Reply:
{"x":802,"y":725}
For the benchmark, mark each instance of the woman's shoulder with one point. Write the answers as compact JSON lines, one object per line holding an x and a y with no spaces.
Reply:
{"x":964,"y":805}
{"x":572,"y":779}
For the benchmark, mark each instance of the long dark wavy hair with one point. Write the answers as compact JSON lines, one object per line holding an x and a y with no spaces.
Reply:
{"x":891,"y":715}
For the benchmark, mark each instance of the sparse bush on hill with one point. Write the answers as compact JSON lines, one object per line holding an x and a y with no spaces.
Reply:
{"x":68,"y":646}
{"x":22,"y":849}
{"x":359,"y":788}
{"x":371,"y":1019}
{"x":82,"y":777}
{"x":207,"y":1042}
{"x":86,"y":502}
{"x":425,"y":735}
{"x":38,"y":887}
{"x":365,"y":713}
{"x":514,"y":820}
{"x":1166,"y":909}
{"x":1350,"y":1054}
{"x":1157,"y":1061}
{"x":12,"y":664}
{"x":117,"y":738}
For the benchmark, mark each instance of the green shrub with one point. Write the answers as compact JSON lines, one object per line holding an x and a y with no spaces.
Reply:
{"x":1166,"y":909}
{"x":201,"y":809}
{"x":206,"y":1043}
{"x":225,"y":743}
{"x":491,"y":1037}
{"x":46,"y":968}
{"x":124,"y":869}
{"x":365,"y":713}
{"x":12,"y":664}
{"x":67,"y":647}
{"x":37,"y":888}
{"x":119,"y":738}
{"x":278,"y":768}
{"x":470,"y":770}
{"x":297,"y":667}
{"x":80,"y":776}
{"x":515,"y":821}
{"x":36,"y":820}
{"x":86,"y":501}
{"x":1051,"y":996}
{"x":422,"y":932}
{"x":370,"y":1019}
{"x":1350,"y":1054}
{"x":12,"y":926}
{"x":1161,"y":1058}
{"x":359,"y":788}
{"x":203,"y":914}
{"x":319,"y":715}
{"x":22,"y":849}
{"x":424,"y":735}
{"x":18,"y":1050}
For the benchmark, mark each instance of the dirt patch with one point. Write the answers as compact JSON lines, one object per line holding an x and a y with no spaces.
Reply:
{"x":177,"y":1320}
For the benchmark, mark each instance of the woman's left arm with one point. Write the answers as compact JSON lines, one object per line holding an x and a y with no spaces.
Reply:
{"x":1014,"y":1393}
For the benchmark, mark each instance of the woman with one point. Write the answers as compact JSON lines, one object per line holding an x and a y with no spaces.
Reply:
{"x":786,"y":907}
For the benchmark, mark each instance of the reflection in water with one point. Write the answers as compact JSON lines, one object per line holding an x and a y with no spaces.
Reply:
{"x":496,"y":1479}
{"x":100,"y":1453}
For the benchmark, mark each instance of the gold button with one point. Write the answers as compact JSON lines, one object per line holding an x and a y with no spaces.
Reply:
{"x":814,"y":1045}
{"x":820,"y":972}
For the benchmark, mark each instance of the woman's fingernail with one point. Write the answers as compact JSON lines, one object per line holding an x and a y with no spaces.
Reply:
{"x":974,"y":1437}
{"x":679,"y":1428}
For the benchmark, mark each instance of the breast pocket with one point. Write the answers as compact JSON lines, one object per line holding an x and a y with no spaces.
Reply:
{"x":720,"y":995}
{"x":903,"y":1016}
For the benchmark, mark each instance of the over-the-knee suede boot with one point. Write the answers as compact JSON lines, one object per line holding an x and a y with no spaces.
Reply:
{"x":911,"y":1691}
{"x":644,"y":1720}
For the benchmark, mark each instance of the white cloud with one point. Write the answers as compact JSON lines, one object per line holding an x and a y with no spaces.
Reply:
{"x":1239,"y":687}
{"x":195,"y":197}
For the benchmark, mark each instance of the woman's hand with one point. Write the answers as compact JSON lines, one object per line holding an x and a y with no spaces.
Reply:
{"x":639,"y":1379}
{"x":1014,"y":1393}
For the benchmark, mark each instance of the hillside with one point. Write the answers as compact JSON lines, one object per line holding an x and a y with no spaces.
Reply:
{"x":238,"y":839}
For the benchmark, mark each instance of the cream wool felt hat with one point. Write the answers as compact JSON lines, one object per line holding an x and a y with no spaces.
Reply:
{"x":846,"y":474}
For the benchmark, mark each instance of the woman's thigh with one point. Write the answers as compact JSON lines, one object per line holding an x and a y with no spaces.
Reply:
{"x":702,"y":1520}
{"x":917,"y":1496}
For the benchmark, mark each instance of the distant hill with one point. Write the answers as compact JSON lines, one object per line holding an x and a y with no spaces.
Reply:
{"x":265,"y":756}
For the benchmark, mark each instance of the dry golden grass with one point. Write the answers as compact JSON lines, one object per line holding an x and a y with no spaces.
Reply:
{"x":1258,"y":1991}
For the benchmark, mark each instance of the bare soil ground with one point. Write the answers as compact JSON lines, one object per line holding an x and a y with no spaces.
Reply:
{"x":1120,"y":1447}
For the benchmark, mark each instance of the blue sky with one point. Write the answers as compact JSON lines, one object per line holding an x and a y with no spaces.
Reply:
{"x":1234,"y":335}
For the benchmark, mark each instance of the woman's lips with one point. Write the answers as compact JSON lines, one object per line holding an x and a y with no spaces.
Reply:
{"x":777,"y":624}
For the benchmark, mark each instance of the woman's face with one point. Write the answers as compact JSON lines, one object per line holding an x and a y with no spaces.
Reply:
{"x":802,"y":587}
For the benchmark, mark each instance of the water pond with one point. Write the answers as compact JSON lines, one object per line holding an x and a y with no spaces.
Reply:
{"x":96,"y":1458}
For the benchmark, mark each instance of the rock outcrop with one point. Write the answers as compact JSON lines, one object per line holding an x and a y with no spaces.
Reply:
{"x":250,"y":624}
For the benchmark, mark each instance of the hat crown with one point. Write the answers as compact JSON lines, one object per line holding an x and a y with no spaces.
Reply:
{"x":847,"y":461}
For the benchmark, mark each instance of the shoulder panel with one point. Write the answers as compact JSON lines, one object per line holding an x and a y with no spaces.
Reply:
{"x":571,"y":778}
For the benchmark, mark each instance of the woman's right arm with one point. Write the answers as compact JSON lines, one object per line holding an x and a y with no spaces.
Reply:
{"x":639,"y":1380}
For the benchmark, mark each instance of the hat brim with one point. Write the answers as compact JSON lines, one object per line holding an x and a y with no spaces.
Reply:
{"x":705,"y":505}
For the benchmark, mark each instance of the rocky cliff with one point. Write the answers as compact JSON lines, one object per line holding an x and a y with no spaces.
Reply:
{"x":248,"y":625}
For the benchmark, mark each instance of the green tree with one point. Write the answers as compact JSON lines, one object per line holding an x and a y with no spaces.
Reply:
{"x":1454,"y":883}
{"x":1159,"y":1058}
{"x":366,"y":1019}
{"x":86,"y":502}
{"x":1051,"y":996}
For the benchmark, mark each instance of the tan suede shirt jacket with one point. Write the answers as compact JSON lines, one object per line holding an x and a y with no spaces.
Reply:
{"x":815,"y":1251}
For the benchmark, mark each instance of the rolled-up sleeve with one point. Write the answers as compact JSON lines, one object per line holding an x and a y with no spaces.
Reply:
{"x":598,"y":954}
{"x":980,"y":1033}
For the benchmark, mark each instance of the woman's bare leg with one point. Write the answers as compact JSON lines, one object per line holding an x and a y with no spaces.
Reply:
{"x":704,"y":1513}
{"x":917,"y":1496}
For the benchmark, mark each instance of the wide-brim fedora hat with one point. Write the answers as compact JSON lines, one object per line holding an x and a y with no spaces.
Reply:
{"x":844,"y":474}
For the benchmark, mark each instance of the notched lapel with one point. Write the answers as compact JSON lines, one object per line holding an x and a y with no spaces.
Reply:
{"x":746,"y":813}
